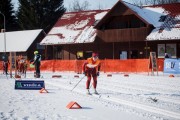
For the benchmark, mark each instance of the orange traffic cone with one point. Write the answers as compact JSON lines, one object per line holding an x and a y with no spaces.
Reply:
{"x":109,"y":75}
{"x":171,"y":75}
{"x":126,"y":75}
{"x":76,"y":76}
{"x":43,"y":90}
{"x":56,"y":76}
{"x":73,"y":105}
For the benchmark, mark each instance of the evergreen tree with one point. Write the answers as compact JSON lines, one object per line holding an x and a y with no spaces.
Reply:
{"x":6,"y":8}
{"x":39,"y":14}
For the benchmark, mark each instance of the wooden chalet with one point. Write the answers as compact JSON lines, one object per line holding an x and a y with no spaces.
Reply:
{"x":73,"y":35}
{"x":124,"y":32}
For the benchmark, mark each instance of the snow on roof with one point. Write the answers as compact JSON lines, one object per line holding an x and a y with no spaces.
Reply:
{"x":166,"y":29}
{"x":151,"y":15}
{"x":166,"y":34}
{"x":18,"y":41}
{"x":74,"y":27}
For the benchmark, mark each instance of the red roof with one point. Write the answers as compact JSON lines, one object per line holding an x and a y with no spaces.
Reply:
{"x":74,"y":27}
{"x":74,"y":17}
{"x":173,"y":8}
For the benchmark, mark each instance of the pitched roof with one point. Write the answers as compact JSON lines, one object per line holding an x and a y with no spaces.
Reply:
{"x":165,"y":18}
{"x":164,"y":30}
{"x":74,"y":27}
{"x":18,"y":41}
{"x":169,"y":29}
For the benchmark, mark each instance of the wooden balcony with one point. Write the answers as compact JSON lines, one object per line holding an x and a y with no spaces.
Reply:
{"x":124,"y":35}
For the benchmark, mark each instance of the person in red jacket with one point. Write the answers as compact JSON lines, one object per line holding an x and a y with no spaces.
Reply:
{"x":91,"y":68}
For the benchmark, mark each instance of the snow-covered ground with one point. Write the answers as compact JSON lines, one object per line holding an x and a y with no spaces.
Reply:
{"x":137,"y":97}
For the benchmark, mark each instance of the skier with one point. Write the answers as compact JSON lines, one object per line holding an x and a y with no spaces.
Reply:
{"x":21,"y":64}
{"x":91,"y":68}
{"x":37,"y":63}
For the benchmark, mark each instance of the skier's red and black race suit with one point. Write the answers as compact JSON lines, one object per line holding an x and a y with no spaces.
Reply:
{"x":91,"y":72}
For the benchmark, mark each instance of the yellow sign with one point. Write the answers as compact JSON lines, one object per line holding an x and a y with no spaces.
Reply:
{"x":80,"y":54}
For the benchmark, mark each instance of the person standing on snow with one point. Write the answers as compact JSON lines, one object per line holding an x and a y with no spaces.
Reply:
{"x":5,"y":64}
{"x":91,"y":68}
{"x":5,"y":67}
{"x":37,"y":63}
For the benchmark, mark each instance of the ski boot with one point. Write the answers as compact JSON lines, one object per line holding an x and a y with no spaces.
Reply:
{"x":95,"y":92}
{"x":88,"y":93}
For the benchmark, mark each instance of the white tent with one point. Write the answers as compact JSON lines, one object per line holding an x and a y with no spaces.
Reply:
{"x":18,"y":41}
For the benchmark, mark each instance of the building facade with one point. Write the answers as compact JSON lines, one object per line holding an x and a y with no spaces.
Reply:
{"x":124,"y":32}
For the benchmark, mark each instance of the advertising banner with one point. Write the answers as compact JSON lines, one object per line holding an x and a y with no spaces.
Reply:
{"x":172,"y":66}
{"x":178,"y":66}
{"x":29,"y":84}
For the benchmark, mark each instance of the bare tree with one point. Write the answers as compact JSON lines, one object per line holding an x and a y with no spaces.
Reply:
{"x":154,"y":2}
{"x":163,"y":1}
{"x":100,"y":7}
{"x":85,"y":5}
{"x":77,"y":6}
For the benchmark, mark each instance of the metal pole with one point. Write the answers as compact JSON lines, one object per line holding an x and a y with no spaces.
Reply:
{"x":113,"y":50}
{"x":146,"y":49}
{"x":4,"y":32}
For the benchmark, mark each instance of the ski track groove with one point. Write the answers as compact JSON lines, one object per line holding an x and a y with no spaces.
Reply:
{"x":127,"y":103}
{"x":123,"y":88}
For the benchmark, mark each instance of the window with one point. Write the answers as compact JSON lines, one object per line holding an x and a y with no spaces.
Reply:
{"x":88,"y":54}
{"x":40,"y":47}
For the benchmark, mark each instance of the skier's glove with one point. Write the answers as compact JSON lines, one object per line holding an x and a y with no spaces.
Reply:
{"x":97,"y":73}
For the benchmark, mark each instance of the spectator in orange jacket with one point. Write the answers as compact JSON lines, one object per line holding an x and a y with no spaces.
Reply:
{"x":91,"y":68}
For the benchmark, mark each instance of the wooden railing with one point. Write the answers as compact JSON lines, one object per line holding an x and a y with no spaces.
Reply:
{"x":124,"y":35}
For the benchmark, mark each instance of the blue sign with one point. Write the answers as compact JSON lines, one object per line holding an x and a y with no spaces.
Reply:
{"x":29,"y":84}
{"x":172,"y":66}
{"x":178,"y":65}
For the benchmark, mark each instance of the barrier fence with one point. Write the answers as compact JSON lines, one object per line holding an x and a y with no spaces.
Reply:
{"x":107,"y":65}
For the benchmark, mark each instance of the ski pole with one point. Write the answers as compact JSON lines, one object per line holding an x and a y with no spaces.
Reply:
{"x":14,"y":77}
{"x":78,"y":82}
{"x":11,"y":76}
